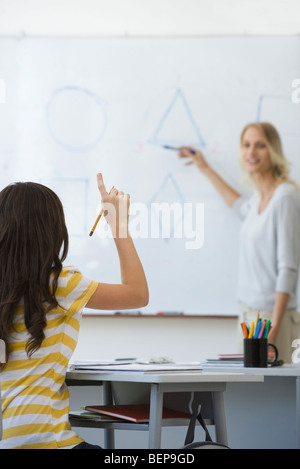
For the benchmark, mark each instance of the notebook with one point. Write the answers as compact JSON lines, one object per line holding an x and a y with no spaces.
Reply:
{"x":134,"y":413}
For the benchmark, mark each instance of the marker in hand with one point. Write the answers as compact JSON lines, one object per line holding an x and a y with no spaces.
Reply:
{"x":168,"y":147}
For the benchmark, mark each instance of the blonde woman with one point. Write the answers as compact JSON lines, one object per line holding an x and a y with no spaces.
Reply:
{"x":270,"y":233}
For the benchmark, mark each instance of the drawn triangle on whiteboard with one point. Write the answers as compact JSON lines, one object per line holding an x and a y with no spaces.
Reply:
{"x":168,"y":192}
{"x":177,"y":125}
{"x":169,"y":195}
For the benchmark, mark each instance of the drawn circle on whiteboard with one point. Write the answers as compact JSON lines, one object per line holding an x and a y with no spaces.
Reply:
{"x":76,"y":118}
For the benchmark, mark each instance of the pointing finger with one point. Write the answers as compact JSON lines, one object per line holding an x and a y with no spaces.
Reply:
{"x":101,"y":185}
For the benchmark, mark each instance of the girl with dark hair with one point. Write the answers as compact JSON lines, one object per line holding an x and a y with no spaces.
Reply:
{"x":40,"y":309}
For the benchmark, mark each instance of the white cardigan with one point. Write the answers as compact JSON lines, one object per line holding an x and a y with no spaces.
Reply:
{"x":269,"y":255}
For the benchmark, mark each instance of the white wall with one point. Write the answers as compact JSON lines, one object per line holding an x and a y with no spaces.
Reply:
{"x":150,"y":17}
{"x":179,"y":338}
{"x":146,"y":337}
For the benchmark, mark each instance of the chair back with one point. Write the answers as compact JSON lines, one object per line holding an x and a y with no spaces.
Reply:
{"x":2,"y":360}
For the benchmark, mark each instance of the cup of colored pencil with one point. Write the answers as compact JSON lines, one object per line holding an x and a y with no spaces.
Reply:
{"x":256,"y":344}
{"x":258,"y":330}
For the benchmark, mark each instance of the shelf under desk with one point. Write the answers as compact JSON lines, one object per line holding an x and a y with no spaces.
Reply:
{"x":196,"y":385}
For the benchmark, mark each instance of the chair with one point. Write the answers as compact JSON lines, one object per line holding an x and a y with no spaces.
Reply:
{"x":2,"y":360}
{"x":0,"y":415}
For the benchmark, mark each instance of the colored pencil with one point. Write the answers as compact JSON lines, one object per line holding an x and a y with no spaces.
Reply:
{"x":98,"y":218}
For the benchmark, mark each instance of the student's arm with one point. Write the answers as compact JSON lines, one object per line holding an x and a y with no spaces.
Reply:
{"x":226,"y":192}
{"x":133,"y":290}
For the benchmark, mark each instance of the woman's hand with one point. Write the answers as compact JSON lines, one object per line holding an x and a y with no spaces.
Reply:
{"x":195,"y":155}
{"x":225,"y":190}
{"x":272,"y":336}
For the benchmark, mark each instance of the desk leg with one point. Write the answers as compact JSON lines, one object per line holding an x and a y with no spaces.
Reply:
{"x":219,"y":417}
{"x":155,"y":421}
{"x":298,"y":411}
{"x":109,"y":435}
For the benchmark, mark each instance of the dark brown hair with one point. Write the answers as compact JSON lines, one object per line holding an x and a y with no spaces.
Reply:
{"x":33,"y":245}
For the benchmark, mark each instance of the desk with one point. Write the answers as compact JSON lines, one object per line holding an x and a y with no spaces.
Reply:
{"x":174,"y":383}
{"x":285,"y":371}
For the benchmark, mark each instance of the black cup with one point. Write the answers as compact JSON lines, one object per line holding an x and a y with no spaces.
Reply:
{"x":256,"y":353}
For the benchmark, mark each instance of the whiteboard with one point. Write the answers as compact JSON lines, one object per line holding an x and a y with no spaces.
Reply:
{"x":77,"y":106}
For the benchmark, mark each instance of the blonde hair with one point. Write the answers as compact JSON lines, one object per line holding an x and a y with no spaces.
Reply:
{"x":281,"y":166}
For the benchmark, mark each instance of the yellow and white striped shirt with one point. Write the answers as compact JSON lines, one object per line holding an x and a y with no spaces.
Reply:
{"x":35,"y":399}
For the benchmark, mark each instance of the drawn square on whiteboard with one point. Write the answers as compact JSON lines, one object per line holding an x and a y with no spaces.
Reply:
{"x":281,"y":112}
{"x":73,"y":194}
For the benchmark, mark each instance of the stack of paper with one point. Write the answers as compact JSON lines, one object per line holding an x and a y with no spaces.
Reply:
{"x":92,"y":416}
{"x":234,"y":360}
{"x":135,"y":366}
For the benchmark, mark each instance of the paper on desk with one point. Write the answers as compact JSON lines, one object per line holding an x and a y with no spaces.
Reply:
{"x":222,"y":364}
{"x":225,"y":360}
{"x":139,"y":367}
{"x":83,"y":415}
{"x":91,"y":363}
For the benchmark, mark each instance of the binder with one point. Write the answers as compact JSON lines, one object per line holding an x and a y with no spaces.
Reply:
{"x":138,"y":413}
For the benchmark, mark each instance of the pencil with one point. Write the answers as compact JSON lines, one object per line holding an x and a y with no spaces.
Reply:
{"x":98,"y":218}
{"x":245,"y":331}
{"x":262,"y":329}
{"x":250,"y":336}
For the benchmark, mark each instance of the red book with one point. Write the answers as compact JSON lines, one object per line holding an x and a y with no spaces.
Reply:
{"x":231,"y":356}
{"x":134,"y":413}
